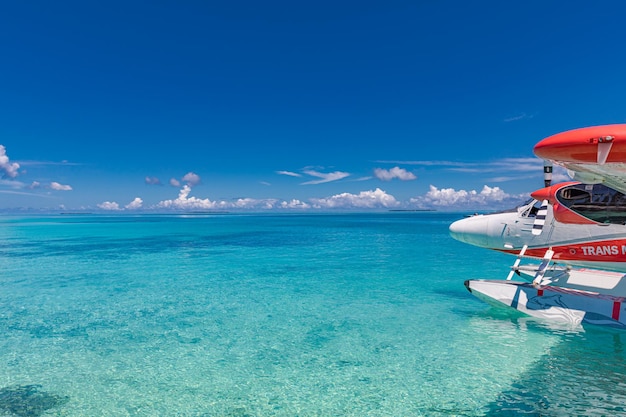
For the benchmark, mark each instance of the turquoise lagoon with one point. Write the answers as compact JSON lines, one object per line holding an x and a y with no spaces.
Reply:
{"x":278,"y":315}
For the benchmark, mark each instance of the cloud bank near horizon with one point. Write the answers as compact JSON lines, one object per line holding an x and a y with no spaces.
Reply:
{"x":448,"y":199}
{"x":375,"y":198}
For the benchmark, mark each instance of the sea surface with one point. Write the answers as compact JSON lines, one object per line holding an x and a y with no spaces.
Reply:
{"x":278,"y":315}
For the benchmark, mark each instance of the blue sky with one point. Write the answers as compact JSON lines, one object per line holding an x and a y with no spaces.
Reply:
{"x":111,"y":105}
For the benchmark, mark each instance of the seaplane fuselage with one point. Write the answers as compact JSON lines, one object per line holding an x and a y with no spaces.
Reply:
{"x":583,"y":244}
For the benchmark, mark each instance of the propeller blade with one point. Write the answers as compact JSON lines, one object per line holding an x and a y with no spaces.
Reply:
{"x":540,"y":218}
{"x":547,"y":173}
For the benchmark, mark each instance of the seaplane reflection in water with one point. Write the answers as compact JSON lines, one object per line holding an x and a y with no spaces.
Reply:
{"x":576,"y":229}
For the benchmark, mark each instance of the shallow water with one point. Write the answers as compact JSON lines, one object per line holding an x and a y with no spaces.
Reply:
{"x":278,"y":315}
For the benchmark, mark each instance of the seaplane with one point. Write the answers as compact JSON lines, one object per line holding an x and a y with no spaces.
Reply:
{"x":576,"y":230}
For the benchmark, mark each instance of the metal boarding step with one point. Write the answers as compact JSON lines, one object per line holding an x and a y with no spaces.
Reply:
{"x":520,"y":255}
{"x":538,"y":270}
{"x":541,"y":271}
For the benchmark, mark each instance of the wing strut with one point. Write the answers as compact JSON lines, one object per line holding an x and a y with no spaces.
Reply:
{"x":517,"y":261}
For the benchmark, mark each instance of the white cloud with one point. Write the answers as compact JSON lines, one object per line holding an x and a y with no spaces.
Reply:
{"x":365,"y":199}
{"x":109,"y":205}
{"x":113,"y":206}
{"x":294,"y":204}
{"x":424,"y":163}
{"x":24,"y":193}
{"x":451,"y":198}
{"x":12,"y":183}
{"x":35,"y":184}
{"x":191,"y":179}
{"x":503,"y":165}
{"x":153,"y":181}
{"x":174,"y":182}
{"x":395,"y":172}
{"x":288,"y":173}
{"x":9,"y":168}
{"x":375,"y":199}
{"x":251,"y":203}
{"x":531,"y":164}
{"x":492,"y":198}
{"x":331,"y":176}
{"x":184,"y":202}
{"x":135,"y":204}
{"x":60,"y":187}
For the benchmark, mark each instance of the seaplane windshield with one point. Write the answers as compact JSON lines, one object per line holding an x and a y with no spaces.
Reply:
{"x":596,"y":202}
{"x":529,"y":208}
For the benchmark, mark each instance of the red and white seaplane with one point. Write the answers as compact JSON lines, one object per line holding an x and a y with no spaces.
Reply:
{"x":577,"y":229}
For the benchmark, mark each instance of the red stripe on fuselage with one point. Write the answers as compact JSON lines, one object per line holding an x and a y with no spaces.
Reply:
{"x":604,"y":251}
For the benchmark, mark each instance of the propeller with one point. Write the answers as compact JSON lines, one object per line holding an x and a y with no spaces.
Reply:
{"x":540,"y":218}
{"x":547,"y":173}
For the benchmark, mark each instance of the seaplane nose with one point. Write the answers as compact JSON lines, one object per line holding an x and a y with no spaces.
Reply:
{"x":473,"y":230}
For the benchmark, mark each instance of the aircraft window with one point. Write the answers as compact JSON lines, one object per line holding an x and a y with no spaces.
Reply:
{"x":575,"y":194}
{"x":532,"y":209}
{"x":598,"y":202}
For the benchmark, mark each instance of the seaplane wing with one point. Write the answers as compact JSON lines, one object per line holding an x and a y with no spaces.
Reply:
{"x":595,"y":155}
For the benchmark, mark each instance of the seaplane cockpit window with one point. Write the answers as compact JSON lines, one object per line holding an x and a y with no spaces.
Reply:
{"x":596,"y":202}
{"x":530,"y":208}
